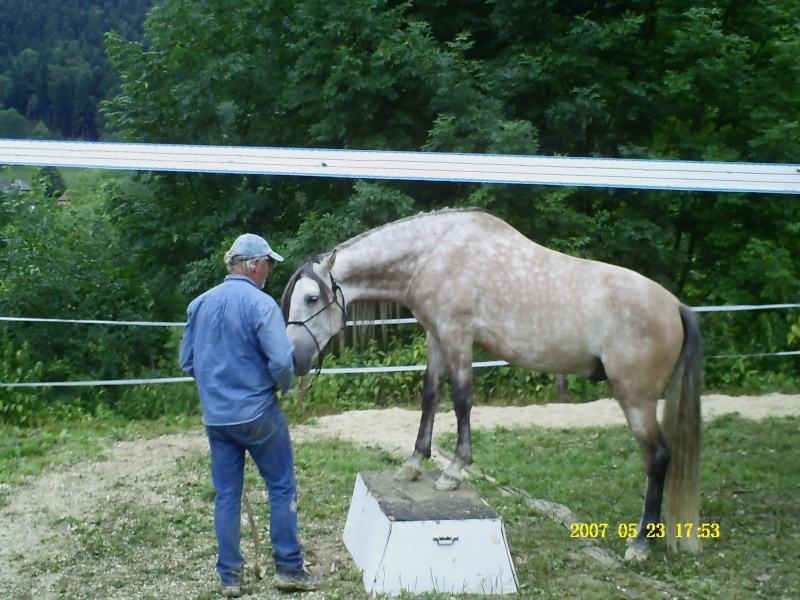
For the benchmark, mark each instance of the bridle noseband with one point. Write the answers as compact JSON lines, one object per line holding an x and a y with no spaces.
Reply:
{"x":337,"y":291}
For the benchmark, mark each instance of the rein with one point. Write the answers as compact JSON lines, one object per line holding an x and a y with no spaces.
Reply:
{"x":337,"y":291}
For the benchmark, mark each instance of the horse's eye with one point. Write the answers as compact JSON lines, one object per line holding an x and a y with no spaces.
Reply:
{"x":311,"y":299}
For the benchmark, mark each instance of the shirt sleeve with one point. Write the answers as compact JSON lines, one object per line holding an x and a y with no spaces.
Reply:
{"x":187,"y":347}
{"x":277,"y":347}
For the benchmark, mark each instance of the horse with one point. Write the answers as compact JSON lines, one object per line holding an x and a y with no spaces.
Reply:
{"x":470,"y":278}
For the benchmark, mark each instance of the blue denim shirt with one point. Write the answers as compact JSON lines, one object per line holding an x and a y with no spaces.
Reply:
{"x":236,"y":348}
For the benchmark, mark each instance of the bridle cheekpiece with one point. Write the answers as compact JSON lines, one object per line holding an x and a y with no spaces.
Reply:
{"x":336,"y":293}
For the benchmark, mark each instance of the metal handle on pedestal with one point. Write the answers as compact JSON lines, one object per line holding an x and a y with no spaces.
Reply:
{"x":445,"y":540}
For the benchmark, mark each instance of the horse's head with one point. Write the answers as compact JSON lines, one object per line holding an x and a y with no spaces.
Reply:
{"x":313,"y":306}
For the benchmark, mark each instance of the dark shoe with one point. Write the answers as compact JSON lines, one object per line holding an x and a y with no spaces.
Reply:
{"x":296,"y":581}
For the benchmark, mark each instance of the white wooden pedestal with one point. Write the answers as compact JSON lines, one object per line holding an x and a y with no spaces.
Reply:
{"x":408,"y":536}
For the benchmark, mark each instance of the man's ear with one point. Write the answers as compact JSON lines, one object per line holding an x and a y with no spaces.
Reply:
{"x":328,"y":263}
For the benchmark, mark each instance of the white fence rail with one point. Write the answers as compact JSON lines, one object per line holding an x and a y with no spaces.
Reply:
{"x":339,"y":370}
{"x":424,"y":166}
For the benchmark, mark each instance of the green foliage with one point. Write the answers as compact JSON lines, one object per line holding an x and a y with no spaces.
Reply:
{"x":61,"y":263}
{"x":13,"y":125}
{"x":370,"y":205}
{"x":666,"y":80}
{"x":154,"y":401}
{"x":337,"y":392}
{"x":53,"y":184}
{"x":19,"y":406}
{"x":740,"y":334}
{"x":53,"y":70}
{"x":793,"y":337}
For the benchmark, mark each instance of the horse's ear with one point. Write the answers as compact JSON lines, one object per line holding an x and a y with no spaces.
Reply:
{"x":327,"y":263}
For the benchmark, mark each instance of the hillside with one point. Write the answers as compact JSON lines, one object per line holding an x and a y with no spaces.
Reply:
{"x":53,"y":67}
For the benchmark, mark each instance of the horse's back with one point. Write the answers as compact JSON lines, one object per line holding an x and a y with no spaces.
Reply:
{"x":539,"y":308}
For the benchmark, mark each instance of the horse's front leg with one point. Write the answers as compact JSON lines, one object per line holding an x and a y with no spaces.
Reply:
{"x":431,"y":392}
{"x":452,"y":476}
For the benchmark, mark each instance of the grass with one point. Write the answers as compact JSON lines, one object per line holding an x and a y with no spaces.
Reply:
{"x":72,"y":176}
{"x":751,"y":488}
{"x":751,"y":480}
{"x":28,"y":452}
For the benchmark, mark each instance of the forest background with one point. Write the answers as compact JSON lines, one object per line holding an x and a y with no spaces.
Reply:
{"x":663,"y":79}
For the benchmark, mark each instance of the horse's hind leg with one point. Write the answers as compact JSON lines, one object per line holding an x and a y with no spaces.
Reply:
{"x":643,"y":424}
{"x":431,"y":392}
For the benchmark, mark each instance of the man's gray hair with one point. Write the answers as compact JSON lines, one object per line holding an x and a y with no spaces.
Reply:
{"x":232,"y":259}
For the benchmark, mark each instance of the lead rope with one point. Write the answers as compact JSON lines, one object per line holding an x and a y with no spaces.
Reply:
{"x":258,"y":570}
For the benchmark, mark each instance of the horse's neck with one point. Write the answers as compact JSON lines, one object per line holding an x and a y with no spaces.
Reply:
{"x":380,"y":267}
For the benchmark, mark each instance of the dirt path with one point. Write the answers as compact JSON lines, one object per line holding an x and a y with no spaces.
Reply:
{"x":137,"y":470}
{"x":395,"y":429}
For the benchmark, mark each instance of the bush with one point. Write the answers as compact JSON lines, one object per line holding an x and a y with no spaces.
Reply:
{"x":60,"y":263}
{"x":19,"y":406}
{"x":337,"y":392}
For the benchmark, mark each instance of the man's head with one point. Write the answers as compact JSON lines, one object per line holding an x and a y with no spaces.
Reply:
{"x":252,"y":256}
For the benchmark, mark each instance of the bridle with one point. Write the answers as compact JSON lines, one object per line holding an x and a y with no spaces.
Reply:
{"x":337,"y":292}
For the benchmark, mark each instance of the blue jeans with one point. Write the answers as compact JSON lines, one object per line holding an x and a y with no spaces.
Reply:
{"x":267,"y":440}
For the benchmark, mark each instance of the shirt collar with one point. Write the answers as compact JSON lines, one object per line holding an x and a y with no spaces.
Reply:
{"x":241,"y":278}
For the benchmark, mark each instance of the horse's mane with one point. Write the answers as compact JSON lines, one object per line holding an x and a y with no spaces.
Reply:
{"x":364,"y":312}
{"x":418,"y":216}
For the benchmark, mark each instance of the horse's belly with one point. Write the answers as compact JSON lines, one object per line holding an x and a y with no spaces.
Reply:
{"x":539,"y":351}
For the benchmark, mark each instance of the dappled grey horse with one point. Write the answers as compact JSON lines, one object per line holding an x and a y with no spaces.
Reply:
{"x":471,"y":279}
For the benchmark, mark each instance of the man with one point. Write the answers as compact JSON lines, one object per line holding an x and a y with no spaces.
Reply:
{"x":236,"y":348}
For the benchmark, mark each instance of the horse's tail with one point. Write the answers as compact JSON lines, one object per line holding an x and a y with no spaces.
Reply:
{"x":681,"y":429}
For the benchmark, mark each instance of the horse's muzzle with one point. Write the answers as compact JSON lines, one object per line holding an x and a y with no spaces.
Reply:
{"x":303,"y":360}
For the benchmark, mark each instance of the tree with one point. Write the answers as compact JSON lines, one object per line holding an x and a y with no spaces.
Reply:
{"x":13,"y":125}
{"x":52,"y":62}
{"x":64,"y":263}
{"x":634,"y":79}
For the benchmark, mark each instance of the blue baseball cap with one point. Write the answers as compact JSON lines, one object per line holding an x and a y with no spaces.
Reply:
{"x":250,"y":245}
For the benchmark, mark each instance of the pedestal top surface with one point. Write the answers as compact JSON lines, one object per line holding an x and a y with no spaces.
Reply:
{"x":419,"y":501}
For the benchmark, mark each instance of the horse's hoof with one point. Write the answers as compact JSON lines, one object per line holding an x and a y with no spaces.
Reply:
{"x":446,"y":483}
{"x":407,"y":473}
{"x":637,"y":553}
